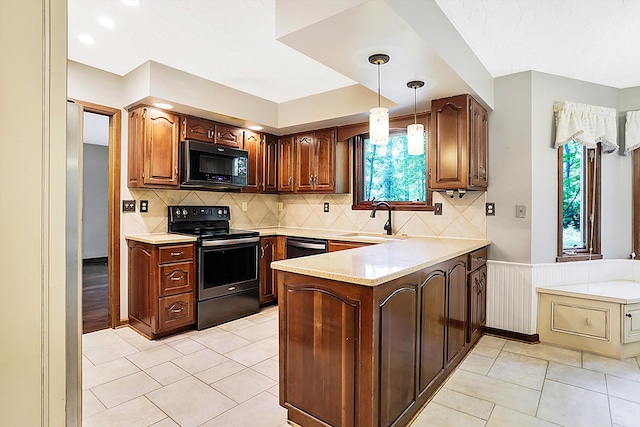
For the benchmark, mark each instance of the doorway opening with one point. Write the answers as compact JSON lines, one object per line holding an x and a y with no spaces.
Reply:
{"x":102,"y":274}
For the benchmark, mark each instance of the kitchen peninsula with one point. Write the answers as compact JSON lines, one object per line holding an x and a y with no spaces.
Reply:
{"x":367,"y":335}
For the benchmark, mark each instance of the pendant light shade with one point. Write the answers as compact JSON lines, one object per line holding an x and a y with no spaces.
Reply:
{"x":415,"y":132}
{"x":379,"y":117}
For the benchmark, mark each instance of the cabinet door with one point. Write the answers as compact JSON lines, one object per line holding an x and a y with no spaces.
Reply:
{"x":304,"y":163}
{"x":253,"y":145}
{"x":135,"y":161}
{"x":141,"y":284}
{"x":478,"y":146}
{"x":160,"y":148}
{"x":285,"y":163}
{"x":270,"y":156}
{"x":268,"y":290}
{"x":477,"y":299}
{"x":198,"y":129}
{"x":325,"y":161}
{"x":448,"y":143}
{"x":228,"y":135}
{"x":457,"y":308}
{"x":433,"y":326}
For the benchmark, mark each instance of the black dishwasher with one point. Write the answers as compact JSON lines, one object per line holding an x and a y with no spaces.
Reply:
{"x":299,"y":247}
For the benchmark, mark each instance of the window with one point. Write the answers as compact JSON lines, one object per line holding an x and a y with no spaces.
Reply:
{"x":388,"y":172}
{"x":579,"y":202}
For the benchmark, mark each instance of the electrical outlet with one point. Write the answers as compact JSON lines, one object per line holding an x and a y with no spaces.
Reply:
{"x":128,"y":206}
{"x":521,"y":211}
{"x":280,"y":206}
{"x":326,"y":206}
{"x":144,"y":206}
{"x":244,"y":206}
{"x":490,"y":209}
{"x":437,"y":208}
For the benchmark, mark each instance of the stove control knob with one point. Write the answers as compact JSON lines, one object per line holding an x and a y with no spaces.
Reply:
{"x":178,"y":212}
{"x":185,"y":212}
{"x":226,"y":211}
{"x":219,"y":211}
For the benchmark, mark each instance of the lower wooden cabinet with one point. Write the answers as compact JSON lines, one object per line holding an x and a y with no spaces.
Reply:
{"x":477,"y":294}
{"x":161,"y":287}
{"x":341,"y":245}
{"x":381,"y":350}
{"x":272,"y":248}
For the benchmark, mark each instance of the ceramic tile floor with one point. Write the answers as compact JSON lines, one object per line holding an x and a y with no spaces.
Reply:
{"x":228,"y":376}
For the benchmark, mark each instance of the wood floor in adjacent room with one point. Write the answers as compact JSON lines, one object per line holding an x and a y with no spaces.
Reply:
{"x":95,"y":296}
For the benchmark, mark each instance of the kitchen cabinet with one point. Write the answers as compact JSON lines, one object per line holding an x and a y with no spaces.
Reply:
{"x":198,"y":129}
{"x":161,"y":287}
{"x":271,"y":249}
{"x":228,"y":135}
{"x":458,"y":144}
{"x":253,"y":146}
{"x":285,"y":164}
{"x":153,"y":148}
{"x":270,"y":166}
{"x":314,"y":154}
{"x":341,"y":245}
{"x":383,"y":350}
{"x":477,"y":294}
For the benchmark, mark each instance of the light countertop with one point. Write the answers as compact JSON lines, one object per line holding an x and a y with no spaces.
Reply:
{"x":616,"y":291}
{"x":377,"y":264}
{"x":161,"y":238}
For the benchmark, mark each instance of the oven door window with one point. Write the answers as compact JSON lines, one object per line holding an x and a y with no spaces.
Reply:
{"x":229,"y":265}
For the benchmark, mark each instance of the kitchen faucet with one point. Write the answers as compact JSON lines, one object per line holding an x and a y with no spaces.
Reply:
{"x":387,"y":225}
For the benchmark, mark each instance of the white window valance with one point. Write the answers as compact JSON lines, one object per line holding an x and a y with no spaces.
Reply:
{"x":586,"y":125}
{"x":632,"y":131}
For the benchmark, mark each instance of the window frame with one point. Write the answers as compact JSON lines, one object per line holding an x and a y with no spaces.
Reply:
{"x":397,"y":124}
{"x":582,"y":254}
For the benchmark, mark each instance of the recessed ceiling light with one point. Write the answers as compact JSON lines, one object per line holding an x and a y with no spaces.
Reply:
{"x":163,"y":105}
{"x":106,"y":22}
{"x":256,"y":127}
{"x":86,"y":38}
{"x":131,"y":2}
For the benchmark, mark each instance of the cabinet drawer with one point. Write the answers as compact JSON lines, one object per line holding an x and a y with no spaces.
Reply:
{"x":176,"y":253}
{"x":228,"y":135}
{"x":176,"y":278}
{"x":176,"y":311}
{"x":477,"y":259}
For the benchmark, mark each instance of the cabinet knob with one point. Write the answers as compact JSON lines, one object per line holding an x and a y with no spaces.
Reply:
{"x":629,"y":315}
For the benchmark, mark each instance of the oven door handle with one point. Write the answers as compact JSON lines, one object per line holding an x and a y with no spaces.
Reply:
{"x":229,"y":242}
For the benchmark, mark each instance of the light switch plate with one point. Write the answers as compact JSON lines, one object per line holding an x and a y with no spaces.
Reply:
{"x":437,"y":208}
{"x":521,"y":211}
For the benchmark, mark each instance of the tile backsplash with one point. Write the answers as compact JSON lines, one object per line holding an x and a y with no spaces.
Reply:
{"x":461,"y":217}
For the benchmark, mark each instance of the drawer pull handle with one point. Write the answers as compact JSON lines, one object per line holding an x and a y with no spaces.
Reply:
{"x":175,"y":308}
{"x":177,"y":253}
{"x":232,"y":288}
{"x":480,"y":259}
{"x":177,"y":279}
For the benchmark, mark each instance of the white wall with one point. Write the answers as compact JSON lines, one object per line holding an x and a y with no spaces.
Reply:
{"x":616,"y":171}
{"x":510,"y":169}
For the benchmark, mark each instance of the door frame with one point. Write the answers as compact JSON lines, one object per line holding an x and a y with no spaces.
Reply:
{"x":113,"y":209}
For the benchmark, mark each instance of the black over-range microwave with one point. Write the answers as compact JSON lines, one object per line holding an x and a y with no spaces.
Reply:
{"x":212,"y":166}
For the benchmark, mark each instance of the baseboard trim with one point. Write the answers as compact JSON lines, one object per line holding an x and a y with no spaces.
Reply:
{"x":531,"y":339}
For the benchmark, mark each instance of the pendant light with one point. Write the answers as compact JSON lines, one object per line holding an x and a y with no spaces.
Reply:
{"x":415,"y":132}
{"x":379,"y":117}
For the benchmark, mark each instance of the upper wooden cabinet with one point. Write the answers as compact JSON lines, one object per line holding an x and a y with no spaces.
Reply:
{"x":270,"y":166}
{"x":285,"y":163}
{"x":458,"y":144}
{"x":253,"y":145}
{"x":153,"y":148}
{"x":198,"y":129}
{"x":228,"y":135}
{"x":315,"y":162}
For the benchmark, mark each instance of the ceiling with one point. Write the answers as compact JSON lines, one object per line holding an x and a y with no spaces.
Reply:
{"x":284,"y":50}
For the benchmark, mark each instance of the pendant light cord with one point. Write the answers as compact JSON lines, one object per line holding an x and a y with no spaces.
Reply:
{"x":378,"y":85}
{"x":415,"y":105}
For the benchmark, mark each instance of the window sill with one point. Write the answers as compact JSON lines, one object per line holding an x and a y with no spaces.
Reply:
{"x":396,"y":206}
{"x":578,"y":257}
